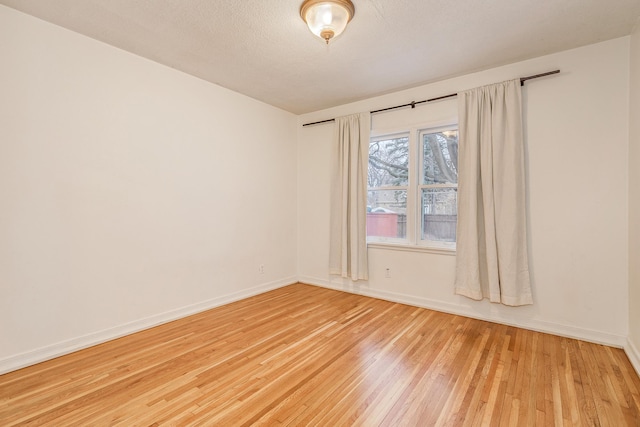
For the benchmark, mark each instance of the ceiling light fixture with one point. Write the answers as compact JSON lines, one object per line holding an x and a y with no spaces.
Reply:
{"x":327,"y":18}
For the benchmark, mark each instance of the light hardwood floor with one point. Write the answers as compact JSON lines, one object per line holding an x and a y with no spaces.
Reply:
{"x":303,"y":355}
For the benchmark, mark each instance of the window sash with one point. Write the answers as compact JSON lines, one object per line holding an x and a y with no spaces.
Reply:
{"x":388,"y":217}
{"x":440,"y":224}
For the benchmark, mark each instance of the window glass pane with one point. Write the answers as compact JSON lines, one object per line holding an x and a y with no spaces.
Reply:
{"x":439,"y":214}
{"x":387,"y":213}
{"x":389,"y":162}
{"x":440,"y":162}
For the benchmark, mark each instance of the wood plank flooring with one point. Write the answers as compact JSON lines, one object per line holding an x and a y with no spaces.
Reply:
{"x":308,"y":356}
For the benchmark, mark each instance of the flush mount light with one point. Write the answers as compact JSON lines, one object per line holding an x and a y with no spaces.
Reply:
{"x":327,"y":18}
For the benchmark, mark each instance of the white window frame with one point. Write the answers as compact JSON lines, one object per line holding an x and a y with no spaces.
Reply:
{"x":413,"y":240}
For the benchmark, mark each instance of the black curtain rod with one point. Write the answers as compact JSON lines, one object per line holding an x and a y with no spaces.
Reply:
{"x":413,"y":104}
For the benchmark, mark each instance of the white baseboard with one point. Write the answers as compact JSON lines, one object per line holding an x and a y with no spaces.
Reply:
{"x":32,"y":357}
{"x":633,"y":354}
{"x":583,"y":334}
{"x":42,"y":354}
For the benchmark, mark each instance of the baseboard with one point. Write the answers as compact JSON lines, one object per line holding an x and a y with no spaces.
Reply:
{"x":633,"y":354}
{"x":583,"y":334}
{"x":42,"y":354}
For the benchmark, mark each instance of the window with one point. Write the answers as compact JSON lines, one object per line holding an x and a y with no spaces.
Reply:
{"x":412,"y":187}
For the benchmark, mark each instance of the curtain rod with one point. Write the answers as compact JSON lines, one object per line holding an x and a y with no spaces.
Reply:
{"x":413,"y":104}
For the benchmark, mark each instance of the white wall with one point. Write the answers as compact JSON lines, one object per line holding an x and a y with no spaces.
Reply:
{"x":131,"y":193}
{"x":577,"y":143}
{"x":634,"y":201}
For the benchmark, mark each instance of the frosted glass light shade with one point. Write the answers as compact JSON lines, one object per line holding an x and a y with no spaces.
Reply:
{"x":327,"y":18}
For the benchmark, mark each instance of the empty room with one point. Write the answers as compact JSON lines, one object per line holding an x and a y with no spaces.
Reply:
{"x":319,"y":213}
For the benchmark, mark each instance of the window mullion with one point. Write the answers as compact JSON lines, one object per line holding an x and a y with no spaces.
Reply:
{"x":412,"y":191}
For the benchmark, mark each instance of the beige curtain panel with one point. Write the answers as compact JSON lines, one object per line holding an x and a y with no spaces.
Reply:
{"x":350,"y":160}
{"x":492,"y":260}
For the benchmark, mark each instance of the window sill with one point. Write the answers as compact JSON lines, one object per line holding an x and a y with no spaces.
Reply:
{"x":440,"y":250}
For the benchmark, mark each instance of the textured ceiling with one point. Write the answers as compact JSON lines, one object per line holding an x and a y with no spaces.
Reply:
{"x":262,"y":48}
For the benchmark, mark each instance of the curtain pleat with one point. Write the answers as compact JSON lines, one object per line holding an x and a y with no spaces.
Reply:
{"x":491,"y":259}
{"x":348,"y":233}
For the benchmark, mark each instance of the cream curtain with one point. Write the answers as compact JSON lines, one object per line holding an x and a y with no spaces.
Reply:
{"x":492,"y":260}
{"x":350,"y":159}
